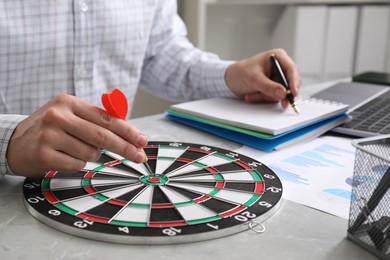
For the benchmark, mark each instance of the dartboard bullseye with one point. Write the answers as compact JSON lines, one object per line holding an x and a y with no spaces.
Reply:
{"x":184,"y":193}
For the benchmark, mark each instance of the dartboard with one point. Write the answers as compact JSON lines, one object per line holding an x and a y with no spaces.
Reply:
{"x":184,"y":192}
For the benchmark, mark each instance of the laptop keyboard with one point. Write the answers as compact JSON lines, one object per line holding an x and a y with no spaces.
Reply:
{"x":373,"y":117}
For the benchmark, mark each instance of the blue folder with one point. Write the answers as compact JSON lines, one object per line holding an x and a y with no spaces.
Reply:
{"x":262,"y":141}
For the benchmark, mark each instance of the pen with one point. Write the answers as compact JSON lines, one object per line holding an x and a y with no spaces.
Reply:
{"x":283,"y":81}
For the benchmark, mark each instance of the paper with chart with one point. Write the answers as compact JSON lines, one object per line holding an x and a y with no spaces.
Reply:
{"x":316,"y":174}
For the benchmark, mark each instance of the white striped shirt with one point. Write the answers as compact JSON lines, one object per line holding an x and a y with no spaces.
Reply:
{"x":87,"y":47}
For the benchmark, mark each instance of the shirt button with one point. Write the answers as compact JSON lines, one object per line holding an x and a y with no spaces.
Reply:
{"x":84,"y":6}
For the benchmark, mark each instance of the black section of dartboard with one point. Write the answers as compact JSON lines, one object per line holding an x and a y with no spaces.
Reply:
{"x":42,"y":209}
{"x":152,"y":152}
{"x":159,"y":197}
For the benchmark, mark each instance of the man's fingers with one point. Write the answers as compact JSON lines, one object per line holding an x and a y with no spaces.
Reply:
{"x":47,"y":159}
{"x":76,"y":148}
{"x":115,"y":125}
{"x":259,"y":97}
{"x":98,"y":136}
{"x":272,"y":89}
{"x":97,"y":128}
{"x":290,"y":70}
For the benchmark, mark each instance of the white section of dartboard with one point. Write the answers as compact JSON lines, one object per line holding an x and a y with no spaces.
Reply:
{"x":214,"y":160}
{"x":187,"y":168}
{"x":106,"y":170}
{"x":195,"y":211}
{"x":145,"y":196}
{"x":209,"y":160}
{"x":234,"y":196}
{"x":134,"y":214}
{"x":117,"y":171}
{"x":64,"y":183}
{"x":138,"y":167}
{"x":82,"y":204}
{"x":198,"y":189}
{"x":171,"y":151}
{"x":114,"y":155}
{"x":100,"y":182}
{"x":238,"y":176}
{"x":121,"y":191}
{"x":208,"y":177}
{"x":162,"y":165}
{"x":89,"y":166}
{"x":173,"y":196}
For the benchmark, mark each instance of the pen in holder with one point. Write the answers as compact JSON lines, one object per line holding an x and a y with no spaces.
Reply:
{"x":369,"y":217}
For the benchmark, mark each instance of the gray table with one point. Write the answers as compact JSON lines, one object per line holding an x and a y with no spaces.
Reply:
{"x":294,"y":232}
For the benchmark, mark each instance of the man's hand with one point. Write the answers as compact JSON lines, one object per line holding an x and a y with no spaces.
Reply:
{"x":66,"y":133}
{"x":254,"y":80}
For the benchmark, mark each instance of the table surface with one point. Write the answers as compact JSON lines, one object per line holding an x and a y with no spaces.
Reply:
{"x":293,"y":232}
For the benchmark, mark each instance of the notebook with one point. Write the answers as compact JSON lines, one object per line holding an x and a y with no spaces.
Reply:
{"x":263,"y":126}
{"x":369,"y":107}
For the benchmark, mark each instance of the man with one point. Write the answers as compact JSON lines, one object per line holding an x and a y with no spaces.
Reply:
{"x":84,"y":48}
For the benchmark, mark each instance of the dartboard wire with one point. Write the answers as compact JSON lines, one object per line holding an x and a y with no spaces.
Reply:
{"x":212,"y":171}
{"x":80,"y":212}
{"x":95,"y":185}
{"x":185,"y":165}
{"x":195,"y":191}
{"x":80,"y":179}
{"x":215,"y":171}
{"x":253,"y":196}
{"x":171,"y":202}
{"x":136,"y":185}
{"x":238,"y":207}
{"x":204,"y":186}
{"x":96,"y":193}
{"x":83,"y":214}
{"x":222,"y":173}
{"x":215,"y":175}
{"x":189,"y":200}
{"x":206,"y":180}
{"x":182,"y":149}
{"x":147,"y":166}
{"x":123,"y":160}
{"x":99,"y":169}
{"x":103,"y":177}
{"x":128,"y":203}
{"x":227,"y":173}
{"x":194,"y":161}
{"x":107,"y":198}
{"x":214,"y":195}
{"x":119,"y":183}
{"x":69,"y":188}
{"x":130,"y":174}
{"x":150,"y":205}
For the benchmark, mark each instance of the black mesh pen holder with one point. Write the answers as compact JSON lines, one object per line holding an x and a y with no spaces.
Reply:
{"x":369,"y":216}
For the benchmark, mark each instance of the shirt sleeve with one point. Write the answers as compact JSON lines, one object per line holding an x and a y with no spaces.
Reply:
{"x":8,"y":124}
{"x":174,"y":68}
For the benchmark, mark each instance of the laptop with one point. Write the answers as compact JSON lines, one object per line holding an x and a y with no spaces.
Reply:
{"x":369,"y":107}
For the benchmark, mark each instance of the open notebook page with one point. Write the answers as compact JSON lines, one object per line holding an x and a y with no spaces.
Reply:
{"x":268,"y":118}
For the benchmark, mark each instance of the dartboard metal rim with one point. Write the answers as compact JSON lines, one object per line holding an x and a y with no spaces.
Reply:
{"x":164,"y":239}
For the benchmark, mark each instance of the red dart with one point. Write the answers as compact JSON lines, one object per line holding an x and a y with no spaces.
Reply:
{"x":115,"y":103}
